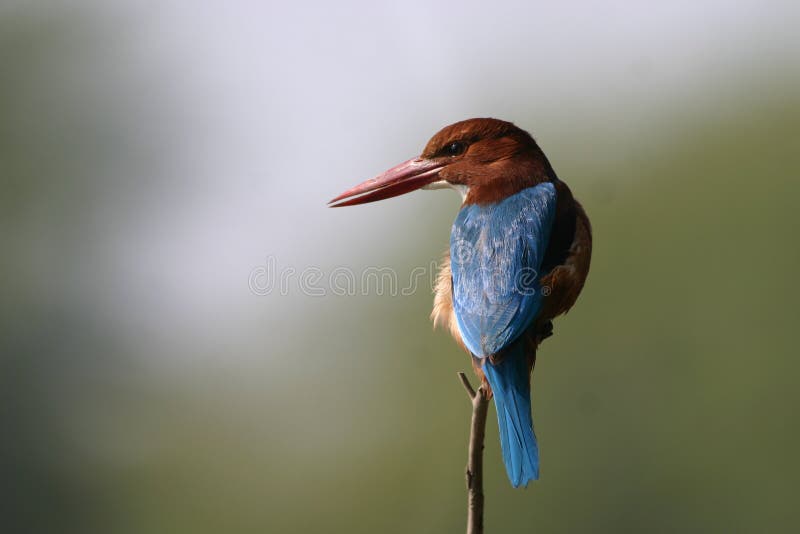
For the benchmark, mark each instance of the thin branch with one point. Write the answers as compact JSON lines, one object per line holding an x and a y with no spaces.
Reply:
{"x":467,"y":385}
{"x":474,"y":472}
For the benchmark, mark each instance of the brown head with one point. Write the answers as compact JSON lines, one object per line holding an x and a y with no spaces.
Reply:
{"x":486,"y":159}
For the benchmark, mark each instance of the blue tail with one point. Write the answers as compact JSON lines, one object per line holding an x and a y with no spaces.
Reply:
{"x":511,"y":385}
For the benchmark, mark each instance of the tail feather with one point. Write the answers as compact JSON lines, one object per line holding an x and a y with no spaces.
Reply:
{"x":510,"y":383}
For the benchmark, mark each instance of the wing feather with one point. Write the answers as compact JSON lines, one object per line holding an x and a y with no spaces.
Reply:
{"x":496,"y":251}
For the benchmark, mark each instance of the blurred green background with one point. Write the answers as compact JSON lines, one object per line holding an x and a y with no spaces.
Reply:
{"x":153,"y":156}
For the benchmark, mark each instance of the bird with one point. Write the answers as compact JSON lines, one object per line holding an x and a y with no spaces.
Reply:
{"x":519,"y":255}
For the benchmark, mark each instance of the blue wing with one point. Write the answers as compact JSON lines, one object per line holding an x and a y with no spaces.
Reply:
{"x":496,"y":251}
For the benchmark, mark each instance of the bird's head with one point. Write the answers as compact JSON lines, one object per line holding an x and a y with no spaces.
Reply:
{"x":486,"y":160}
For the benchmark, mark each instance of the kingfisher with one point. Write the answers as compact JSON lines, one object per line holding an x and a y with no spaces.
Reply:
{"x":519,"y":255}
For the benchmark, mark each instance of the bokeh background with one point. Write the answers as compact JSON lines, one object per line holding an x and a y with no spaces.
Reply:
{"x":155,"y":155}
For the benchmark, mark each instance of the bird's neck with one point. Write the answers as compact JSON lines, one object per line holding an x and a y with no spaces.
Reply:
{"x":509,"y":177}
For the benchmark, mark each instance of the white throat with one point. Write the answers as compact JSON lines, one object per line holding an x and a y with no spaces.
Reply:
{"x":444,"y":184}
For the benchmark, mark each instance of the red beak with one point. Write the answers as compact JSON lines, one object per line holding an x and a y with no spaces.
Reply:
{"x":404,"y":178}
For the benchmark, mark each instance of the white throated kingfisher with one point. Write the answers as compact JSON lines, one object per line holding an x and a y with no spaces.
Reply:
{"x":519,"y":255}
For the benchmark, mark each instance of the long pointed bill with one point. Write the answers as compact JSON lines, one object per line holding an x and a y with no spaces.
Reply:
{"x":404,"y":178}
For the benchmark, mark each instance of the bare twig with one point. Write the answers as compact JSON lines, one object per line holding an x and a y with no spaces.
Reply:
{"x":467,"y":385}
{"x":474,"y":473}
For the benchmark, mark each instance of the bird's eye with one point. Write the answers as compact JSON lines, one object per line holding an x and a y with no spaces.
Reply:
{"x":454,"y":149}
